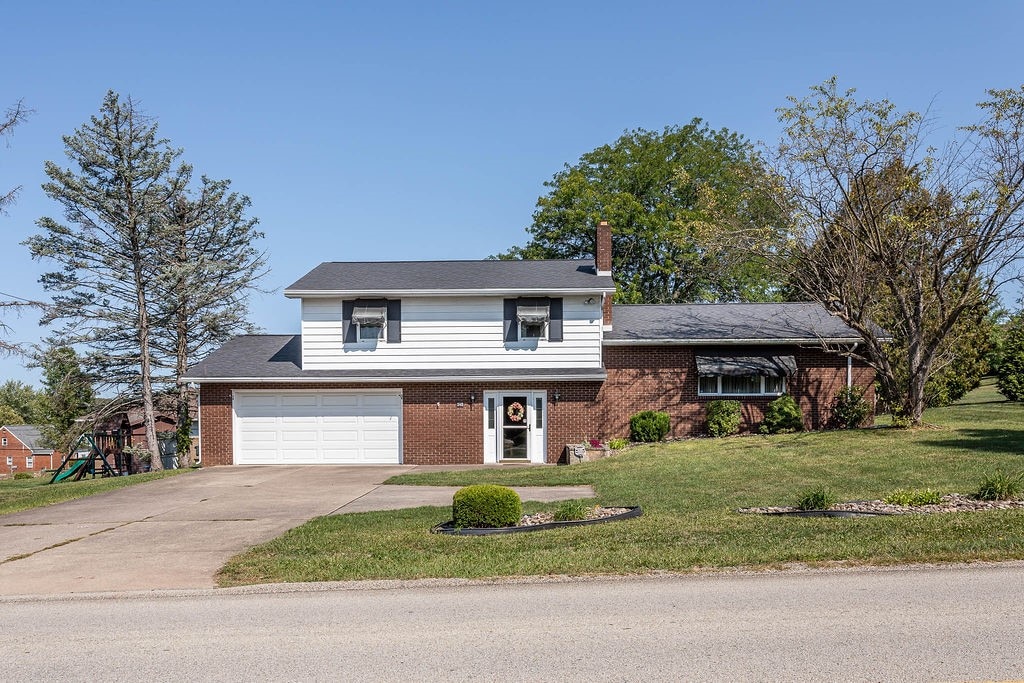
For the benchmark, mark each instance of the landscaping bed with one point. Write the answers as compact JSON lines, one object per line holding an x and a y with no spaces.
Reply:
{"x":951,"y":502}
{"x":690,"y":491}
{"x":541,"y":521}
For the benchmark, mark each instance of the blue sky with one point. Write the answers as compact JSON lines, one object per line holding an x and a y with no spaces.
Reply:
{"x":418,"y":130}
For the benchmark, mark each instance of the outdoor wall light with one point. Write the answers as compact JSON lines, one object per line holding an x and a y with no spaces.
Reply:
{"x":590,"y":301}
{"x":557,"y":396}
{"x":472,"y":397}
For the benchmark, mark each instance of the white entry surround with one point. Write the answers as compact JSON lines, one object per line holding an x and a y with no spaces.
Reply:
{"x":295,"y":427}
{"x":500,"y":432}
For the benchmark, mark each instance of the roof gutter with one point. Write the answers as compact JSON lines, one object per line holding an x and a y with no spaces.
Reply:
{"x":393,"y":379}
{"x":759,"y":341}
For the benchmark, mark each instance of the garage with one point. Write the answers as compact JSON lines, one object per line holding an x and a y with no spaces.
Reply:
{"x":317,"y":427}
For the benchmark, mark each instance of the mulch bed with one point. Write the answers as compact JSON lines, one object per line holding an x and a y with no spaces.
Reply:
{"x":951,"y":502}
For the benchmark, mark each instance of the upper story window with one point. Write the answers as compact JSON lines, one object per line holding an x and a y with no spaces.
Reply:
{"x":370,"y":322}
{"x":533,"y":321}
{"x":3,"y":441}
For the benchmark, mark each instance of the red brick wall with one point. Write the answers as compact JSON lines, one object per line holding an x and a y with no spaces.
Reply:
{"x":437,"y":431}
{"x":19,"y":456}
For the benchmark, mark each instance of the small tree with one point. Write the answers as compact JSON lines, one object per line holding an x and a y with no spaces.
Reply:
{"x":67,"y":395}
{"x":1010,"y":377}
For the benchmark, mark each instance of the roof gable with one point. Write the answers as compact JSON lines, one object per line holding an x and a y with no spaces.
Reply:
{"x":29,"y":435}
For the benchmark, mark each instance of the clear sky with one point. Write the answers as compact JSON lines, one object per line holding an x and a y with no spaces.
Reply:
{"x":425,"y":130}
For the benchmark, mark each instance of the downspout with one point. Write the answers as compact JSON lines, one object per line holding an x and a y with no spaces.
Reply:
{"x":849,"y":367}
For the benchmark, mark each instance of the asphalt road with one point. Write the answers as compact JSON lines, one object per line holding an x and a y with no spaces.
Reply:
{"x":950,"y":624}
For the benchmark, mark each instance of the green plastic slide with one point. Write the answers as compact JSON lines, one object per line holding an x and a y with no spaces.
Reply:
{"x":73,"y":467}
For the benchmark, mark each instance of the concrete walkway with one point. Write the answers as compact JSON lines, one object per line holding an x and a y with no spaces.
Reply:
{"x":177,"y":532}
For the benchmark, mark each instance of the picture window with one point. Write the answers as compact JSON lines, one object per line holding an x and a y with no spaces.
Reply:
{"x":740,"y":385}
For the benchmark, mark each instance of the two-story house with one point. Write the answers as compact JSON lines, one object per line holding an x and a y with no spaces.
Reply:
{"x":443,"y":362}
{"x":22,"y":450}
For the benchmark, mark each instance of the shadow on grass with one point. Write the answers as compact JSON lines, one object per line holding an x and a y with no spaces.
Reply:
{"x":986,"y":440}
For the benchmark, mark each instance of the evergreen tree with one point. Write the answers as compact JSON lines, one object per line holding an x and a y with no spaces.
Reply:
{"x":110,"y":244}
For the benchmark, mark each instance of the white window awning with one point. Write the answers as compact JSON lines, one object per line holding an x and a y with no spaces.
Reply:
{"x":369,"y":316}
{"x":533,"y":314}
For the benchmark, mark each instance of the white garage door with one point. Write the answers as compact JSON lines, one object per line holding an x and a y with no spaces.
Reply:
{"x":301,"y":428}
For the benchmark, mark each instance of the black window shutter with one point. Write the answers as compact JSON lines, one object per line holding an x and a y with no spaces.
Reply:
{"x":555,"y":325}
{"x":348,"y":330}
{"x":394,"y":321}
{"x":511,"y":321}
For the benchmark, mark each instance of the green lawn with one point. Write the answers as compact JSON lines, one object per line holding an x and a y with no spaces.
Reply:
{"x":23,"y":494}
{"x":690,"y":491}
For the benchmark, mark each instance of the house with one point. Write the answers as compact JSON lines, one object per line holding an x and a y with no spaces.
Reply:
{"x":21,"y":450}
{"x":445,"y":362}
{"x":120,"y":424}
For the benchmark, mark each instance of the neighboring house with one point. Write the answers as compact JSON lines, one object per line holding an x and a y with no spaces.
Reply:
{"x":125,"y":426}
{"x":444,"y":362}
{"x":21,"y":450}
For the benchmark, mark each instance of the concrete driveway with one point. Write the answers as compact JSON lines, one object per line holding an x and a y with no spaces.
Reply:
{"x":177,"y":532}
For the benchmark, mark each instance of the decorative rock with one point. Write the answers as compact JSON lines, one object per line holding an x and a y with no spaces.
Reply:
{"x":951,"y":502}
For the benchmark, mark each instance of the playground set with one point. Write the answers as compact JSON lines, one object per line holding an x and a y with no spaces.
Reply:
{"x":86,"y":458}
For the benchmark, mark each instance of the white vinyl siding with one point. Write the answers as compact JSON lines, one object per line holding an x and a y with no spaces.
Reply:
{"x":451,"y":333}
{"x":317,"y":427}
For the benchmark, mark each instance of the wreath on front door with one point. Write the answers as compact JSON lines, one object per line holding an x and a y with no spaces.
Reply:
{"x":516,"y":412}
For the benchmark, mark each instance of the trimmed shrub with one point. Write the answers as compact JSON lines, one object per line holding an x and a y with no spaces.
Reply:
{"x":24,"y":475}
{"x":914,"y":497}
{"x":486,"y":505}
{"x":1000,"y":486}
{"x":649,"y":426}
{"x":617,"y":444}
{"x":723,"y":417}
{"x":571,"y":511}
{"x":819,"y":498}
{"x":849,"y":409}
{"x":782,"y":416}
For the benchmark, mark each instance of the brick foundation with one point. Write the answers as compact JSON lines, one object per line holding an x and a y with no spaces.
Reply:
{"x":437,"y":431}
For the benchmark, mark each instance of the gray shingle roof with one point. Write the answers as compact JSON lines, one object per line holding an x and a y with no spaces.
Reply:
{"x":408,"y":276}
{"x":30,"y":436}
{"x":278,"y":357}
{"x":700,"y":323}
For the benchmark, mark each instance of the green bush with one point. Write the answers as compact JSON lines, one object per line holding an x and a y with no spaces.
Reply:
{"x":648,"y":426}
{"x":24,"y":475}
{"x":782,"y":416}
{"x":617,"y":444}
{"x":571,"y":510}
{"x":723,"y":417}
{"x":914,"y":497}
{"x":819,"y":498}
{"x":849,"y":409}
{"x":1010,"y":375}
{"x":1000,"y":486}
{"x":900,"y":421}
{"x":486,"y":505}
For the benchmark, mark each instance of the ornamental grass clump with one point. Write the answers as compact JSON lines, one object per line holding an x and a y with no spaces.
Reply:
{"x":571,"y":511}
{"x":820,"y":498}
{"x":1000,"y":486}
{"x":649,"y":426}
{"x":486,"y":506}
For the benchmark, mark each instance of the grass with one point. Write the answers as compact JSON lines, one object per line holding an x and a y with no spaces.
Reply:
{"x":24,"y":494}
{"x":690,"y":491}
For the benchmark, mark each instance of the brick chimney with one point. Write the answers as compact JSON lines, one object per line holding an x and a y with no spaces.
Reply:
{"x":603,"y":251}
{"x":603,"y":260}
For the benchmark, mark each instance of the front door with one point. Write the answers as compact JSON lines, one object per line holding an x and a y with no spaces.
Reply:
{"x":514,"y":426}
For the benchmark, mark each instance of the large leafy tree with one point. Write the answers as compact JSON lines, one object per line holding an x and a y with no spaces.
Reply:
{"x":110,"y":243}
{"x":24,"y":405}
{"x":667,"y":195}
{"x":210,"y":265}
{"x":889,"y":233}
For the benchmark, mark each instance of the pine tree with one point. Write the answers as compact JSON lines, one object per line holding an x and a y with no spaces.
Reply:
{"x":110,"y":245}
